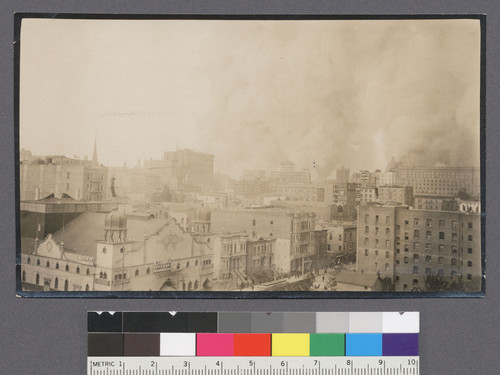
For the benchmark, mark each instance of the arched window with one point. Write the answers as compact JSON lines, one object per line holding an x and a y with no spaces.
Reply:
{"x":37,"y":279}
{"x":101,"y":275}
{"x":88,"y":272}
{"x":148,"y":271}
{"x":66,"y":286}
{"x":187,"y":264}
{"x":190,"y":286}
{"x":183,"y":286}
{"x":48,"y":264}
{"x":87,"y":288}
{"x":38,"y":262}
{"x":77,"y":269}
{"x":24,"y":275}
{"x":56,"y":283}
{"x":105,"y":275}
{"x":57,"y":266}
{"x":196,"y":285}
{"x":67,"y":268}
{"x":136,"y":272}
{"x":29,"y":260}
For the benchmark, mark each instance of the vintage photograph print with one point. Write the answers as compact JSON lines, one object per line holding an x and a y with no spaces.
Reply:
{"x":242,"y":157}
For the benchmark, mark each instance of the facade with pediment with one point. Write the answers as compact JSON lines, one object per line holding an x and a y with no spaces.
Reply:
{"x":167,"y":257}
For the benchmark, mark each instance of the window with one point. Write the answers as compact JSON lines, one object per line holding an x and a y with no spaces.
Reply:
{"x":38,"y":262}
{"x":415,"y":269}
{"x":376,"y":230}
{"x":187,"y":264}
{"x":48,"y":264}
{"x":148,"y":271}
{"x":441,"y":235}
{"x":440,"y":261}
{"x":415,"y":221}
{"x":406,"y":260}
{"x":329,"y":247}
{"x":56,"y":283}
{"x":387,"y":244}
{"x":386,"y":267}
{"x":469,"y":263}
{"x":136,"y":273}
{"x":469,"y":237}
{"x":387,"y":232}
{"x":376,"y":243}
{"x":469,"y":250}
{"x":66,"y":268}
{"x":196,"y":262}
{"x":366,"y":252}
{"x":454,"y":224}
{"x":415,"y":258}
{"x":428,"y":234}
{"x":29,"y":260}
{"x":88,"y":272}
{"x":469,"y":276}
{"x":367,"y":229}
{"x":470,"y":225}
{"x":406,"y":223}
{"x":441,"y":223}
{"x":366,"y":241}
{"x":387,"y":220}
{"x":376,"y":253}
{"x":398,"y":251}
{"x":441,"y":248}
{"x":272,"y":222}
{"x":428,"y":271}
{"x":331,"y":237}
{"x":428,"y":222}
{"x":428,"y":259}
{"x":77,"y":269}
{"x":376,"y":219}
{"x":428,"y":247}
{"x":416,"y":233}
{"x":387,"y":254}
{"x":416,"y":246}
{"x":253,"y":222}
{"x":178,"y":265}
{"x":440,"y":272}
{"x":122,"y":250}
{"x":454,"y":250}
{"x":367,"y":218}
{"x":454,"y":237}
{"x":376,"y":266}
{"x":406,"y":248}
{"x":406,"y":236}
{"x":454,"y":262}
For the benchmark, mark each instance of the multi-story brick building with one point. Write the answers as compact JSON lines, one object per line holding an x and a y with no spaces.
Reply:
{"x":408,"y":245}
{"x":396,"y":194}
{"x":295,"y":246}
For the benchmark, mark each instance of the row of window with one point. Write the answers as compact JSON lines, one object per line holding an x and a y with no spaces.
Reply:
{"x":66,"y":268}
{"x":428,"y":260}
{"x":387,"y":243}
{"x":56,"y":282}
{"x":387,"y":230}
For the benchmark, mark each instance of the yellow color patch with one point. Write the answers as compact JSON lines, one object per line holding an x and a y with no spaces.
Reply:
{"x":290,"y":344}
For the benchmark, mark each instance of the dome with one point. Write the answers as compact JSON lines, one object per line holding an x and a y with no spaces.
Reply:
{"x":202,"y":214}
{"x":115,"y":220}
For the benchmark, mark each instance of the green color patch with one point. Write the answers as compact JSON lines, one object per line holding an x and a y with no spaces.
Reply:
{"x":327,"y":344}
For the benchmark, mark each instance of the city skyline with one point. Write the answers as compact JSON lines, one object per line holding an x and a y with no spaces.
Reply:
{"x":322,"y":94}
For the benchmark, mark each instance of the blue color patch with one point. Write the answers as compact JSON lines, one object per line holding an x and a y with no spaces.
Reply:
{"x":363,"y":344}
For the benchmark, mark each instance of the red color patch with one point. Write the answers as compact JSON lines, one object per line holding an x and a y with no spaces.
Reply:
{"x":252,"y":344}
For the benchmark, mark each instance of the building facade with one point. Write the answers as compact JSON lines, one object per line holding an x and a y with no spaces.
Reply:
{"x":408,"y":246}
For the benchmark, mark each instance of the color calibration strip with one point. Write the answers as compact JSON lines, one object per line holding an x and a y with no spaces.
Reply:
{"x":252,"y":334}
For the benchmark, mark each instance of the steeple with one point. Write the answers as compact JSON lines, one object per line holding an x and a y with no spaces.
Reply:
{"x":94,"y":154}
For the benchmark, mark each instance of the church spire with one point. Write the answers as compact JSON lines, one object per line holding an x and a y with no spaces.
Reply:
{"x":94,"y":154}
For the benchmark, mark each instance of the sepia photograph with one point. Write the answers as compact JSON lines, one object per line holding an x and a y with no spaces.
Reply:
{"x":252,"y":157}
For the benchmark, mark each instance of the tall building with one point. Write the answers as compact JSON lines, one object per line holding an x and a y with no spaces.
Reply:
{"x":288,"y":174}
{"x":408,"y":246}
{"x":440,"y":180}
{"x":342,"y":175}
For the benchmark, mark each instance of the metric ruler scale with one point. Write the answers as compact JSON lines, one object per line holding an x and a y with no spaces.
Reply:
{"x":377,"y":365}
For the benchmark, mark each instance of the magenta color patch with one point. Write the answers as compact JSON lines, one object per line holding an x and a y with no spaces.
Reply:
{"x":214,"y":344}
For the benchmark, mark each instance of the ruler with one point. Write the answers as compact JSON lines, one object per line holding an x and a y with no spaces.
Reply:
{"x":383,"y":365}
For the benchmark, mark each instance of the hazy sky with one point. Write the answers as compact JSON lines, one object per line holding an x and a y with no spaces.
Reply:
{"x":253,"y":93}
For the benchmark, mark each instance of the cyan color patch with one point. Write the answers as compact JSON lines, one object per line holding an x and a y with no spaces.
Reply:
{"x":363,"y":344}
